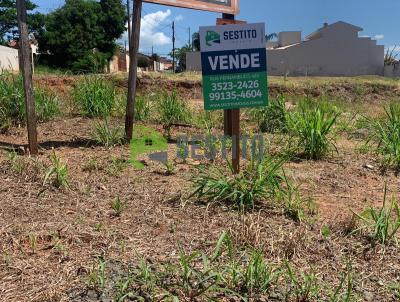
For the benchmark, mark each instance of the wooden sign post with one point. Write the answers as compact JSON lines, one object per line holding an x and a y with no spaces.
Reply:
{"x":26,"y":66}
{"x":232,"y":116}
{"x":132,"y":80}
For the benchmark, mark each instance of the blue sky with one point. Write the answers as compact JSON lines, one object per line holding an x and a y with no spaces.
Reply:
{"x":378,"y":18}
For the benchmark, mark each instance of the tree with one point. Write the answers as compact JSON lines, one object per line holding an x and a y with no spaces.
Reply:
{"x":196,"y":41}
{"x":9,"y":22}
{"x":271,"y":36}
{"x":180,"y":55}
{"x":81,"y":34}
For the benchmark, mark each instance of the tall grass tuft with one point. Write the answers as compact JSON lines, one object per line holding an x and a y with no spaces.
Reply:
{"x":142,"y":108}
{"x":107,"y":135}
{"x":172,"y":110}
{"x":272,"y":118}
{"x":12,"y":102}
{"x":312,"y":127}
{"x":258,"y":182}
{"x":95,"y":96}
{"x":387,"y":133}
{"x":383,"y":223}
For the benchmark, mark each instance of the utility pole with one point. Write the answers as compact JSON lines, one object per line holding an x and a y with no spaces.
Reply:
{"x":26,"y":66}
{"x":173,"y":46}
{"x":133,"y":54}
{"x":190,"y":39}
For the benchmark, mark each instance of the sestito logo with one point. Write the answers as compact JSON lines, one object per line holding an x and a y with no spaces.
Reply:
{"x":212,"y":37}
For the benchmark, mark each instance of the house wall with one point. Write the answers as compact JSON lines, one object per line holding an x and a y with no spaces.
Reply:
{"x":392,"y":71}
{"x":338,"y":52}
{"x":193,"y":61}
{"x":289,"y":38}
{"x":8,"y":59}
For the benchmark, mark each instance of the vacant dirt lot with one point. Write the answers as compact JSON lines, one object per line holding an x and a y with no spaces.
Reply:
{"x":50,"y":238}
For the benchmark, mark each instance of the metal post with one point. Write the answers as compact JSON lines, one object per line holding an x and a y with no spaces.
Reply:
{"x":26,"y":66}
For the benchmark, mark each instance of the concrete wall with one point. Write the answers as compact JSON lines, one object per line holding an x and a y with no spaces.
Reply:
{"x":334,"y":51}
{"x":8,"y":59}
{"x":392,"y":71}
{"x":289,"y":38}
{"x":193,"y":61}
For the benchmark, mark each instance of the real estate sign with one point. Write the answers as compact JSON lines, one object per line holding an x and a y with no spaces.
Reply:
{"x":220,"y":6}
{"x":234,"y":63}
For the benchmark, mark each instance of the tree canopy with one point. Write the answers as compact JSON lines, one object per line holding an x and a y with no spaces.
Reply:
{"x":81,"y":34}
{"x":9,"y":21}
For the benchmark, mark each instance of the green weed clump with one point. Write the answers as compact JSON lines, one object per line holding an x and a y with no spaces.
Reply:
{"x":387,"y":134}
{"x":57,"y":173}
{"x":107,"y":135}
{"x":172,"y":110}
{"x":383,"y":224}
{"x":142,"y":108}
{"x":258,"y":182}
{"x":272,"y":118}
{"x":227,"y":273}
{"x":12,"y":102}
{"x":94,"y":96}
{"x":313,"y":128}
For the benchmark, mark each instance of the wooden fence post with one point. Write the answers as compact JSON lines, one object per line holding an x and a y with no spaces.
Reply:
{"x":133,"y":55}
{"x":26,"y":66}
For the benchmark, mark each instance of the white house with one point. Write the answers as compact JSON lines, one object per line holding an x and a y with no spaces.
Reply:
{"x":333,"y":50}
{"x":8,"y":59}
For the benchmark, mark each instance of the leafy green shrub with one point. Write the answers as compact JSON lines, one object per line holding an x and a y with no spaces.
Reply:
{"x":387,"y":133}
{"x":384,"y":223}
{"x":172,"y":110}
{"x":312,"y":127}
{"x":272,"y":118}
{"x":257,"y":182}
{"x":108,"y":136}
{"x":95,"y":96}
{"x":12,"y":102}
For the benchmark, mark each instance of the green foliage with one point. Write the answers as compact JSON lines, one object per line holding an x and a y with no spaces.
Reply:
{"x":387,"y":133}
{"x":142,"y":108}
{"x":344,"y":291}
{"x":9,"y":21}
{"x":258,"y":276}
{"x":383,"y":223}
{"x":258,"y":182}
{"x":171,"y":110}
{"x":80,"y":26}
{"x":95,"y":96}
{"x":57,"y":173}
{"x":12,"y":102}
{"x":118,"y":206}
{"x":97,"y":276}
{"x":108,"y":136}
{"x":272,"y":118}
{"x":304,"y":285}
{"x":312,"y":127}
{"x":226,"y":274}
{"x":294,"y":205}
{"x":180,"y":55}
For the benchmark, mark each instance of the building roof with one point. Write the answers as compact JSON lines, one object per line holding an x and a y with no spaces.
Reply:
{"x":318,"y":32}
